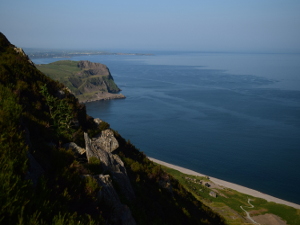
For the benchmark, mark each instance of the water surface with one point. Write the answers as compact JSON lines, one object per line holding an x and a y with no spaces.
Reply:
{"x":231,"y":116}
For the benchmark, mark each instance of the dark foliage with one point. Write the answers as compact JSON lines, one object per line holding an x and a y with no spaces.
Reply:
{"x":156,"y":202}
{"x":60,"y":196}
{"x":31,"y":123}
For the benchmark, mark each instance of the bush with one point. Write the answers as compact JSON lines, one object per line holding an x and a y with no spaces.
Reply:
{"x":94,"y":166}
{"x":92,"y":185}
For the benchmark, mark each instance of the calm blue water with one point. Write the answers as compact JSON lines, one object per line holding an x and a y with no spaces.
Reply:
{"x":231,"y":116}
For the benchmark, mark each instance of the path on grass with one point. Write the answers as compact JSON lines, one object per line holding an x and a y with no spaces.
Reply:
{"x":248,"y":215}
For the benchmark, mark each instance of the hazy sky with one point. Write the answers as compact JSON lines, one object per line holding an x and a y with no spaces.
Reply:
{"x":201,"y":25}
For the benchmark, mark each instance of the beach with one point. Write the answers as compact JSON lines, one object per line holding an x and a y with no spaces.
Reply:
{"x":230,"y":185}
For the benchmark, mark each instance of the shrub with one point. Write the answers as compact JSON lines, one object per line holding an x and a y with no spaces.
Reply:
{"x":94,"y":166}
{"x":92,"y":185}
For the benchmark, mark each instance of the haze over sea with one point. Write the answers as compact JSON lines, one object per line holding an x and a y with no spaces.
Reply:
{"x":234,"y":116}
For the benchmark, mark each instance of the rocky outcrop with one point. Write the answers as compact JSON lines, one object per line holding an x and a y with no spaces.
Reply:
{"x":120,"y":213}
{"x":99,"y":77}
{"x":110,"y":163}
{"x":97,"y":121}
{"x":93,"y":68}
{"x":101,"y":148}
{"x":21,"y":51}
{"x":107,"y":141}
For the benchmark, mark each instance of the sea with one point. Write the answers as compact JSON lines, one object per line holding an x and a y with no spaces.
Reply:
{"x":233,"y":116}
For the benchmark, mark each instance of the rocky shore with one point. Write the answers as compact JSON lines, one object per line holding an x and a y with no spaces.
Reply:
{"x":102,"y":97}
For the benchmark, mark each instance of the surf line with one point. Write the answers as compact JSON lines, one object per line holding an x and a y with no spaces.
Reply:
{"x":247,"y":213}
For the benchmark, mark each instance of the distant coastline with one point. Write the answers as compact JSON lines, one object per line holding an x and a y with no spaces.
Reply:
{"x":41,"y":53}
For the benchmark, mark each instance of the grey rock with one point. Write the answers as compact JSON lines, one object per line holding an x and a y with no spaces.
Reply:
{"x":97,"y":121}
{"x":90,"y":72}
{"x":90,"y":152}
{"x":110,"y":163}
{"x":93,"y":68}
{"x":75,"y":148}
{"x":107,"y":141}
{"x":120,"y":213}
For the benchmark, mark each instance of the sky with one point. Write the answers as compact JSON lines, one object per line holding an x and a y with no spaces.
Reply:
{"x":189,"y":25}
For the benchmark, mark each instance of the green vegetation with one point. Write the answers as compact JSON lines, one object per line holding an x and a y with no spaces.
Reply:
{"x":49,"y":201}
{"x":60,"y":195}
{"x":44,"y":183}
{"x":94,"y":166}
{"x":60,"y":69}
{"x":228,"y":201}
{"x":60,"y":113}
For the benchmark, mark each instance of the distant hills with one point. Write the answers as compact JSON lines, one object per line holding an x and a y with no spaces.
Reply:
{"x":47,"y":53}
{"x":88,"y":81}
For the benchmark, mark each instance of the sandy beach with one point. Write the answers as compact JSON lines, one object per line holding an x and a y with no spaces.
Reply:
{"x":226,"y":184}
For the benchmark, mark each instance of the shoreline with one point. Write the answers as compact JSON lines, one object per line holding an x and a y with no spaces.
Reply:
{"x":230,"y":185}
{"x":102,"y":97}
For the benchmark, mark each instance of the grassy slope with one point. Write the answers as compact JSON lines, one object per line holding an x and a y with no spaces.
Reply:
{"x":228,"y":202}
{"x":60,"y":69}
{"x":60,"y":195}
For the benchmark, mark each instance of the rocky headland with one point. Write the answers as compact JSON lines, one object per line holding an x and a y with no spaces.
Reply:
{"x":88,"y":81}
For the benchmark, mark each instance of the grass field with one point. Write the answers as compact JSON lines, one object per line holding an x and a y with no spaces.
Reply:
{"x":228,"y":201}
{"x":60,"y":69}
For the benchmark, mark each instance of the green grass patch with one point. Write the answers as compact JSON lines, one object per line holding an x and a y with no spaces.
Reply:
{"x":59,"y":70}
{"x":229,"y":201}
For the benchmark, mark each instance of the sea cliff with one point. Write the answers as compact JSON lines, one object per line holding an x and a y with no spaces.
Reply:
{"x":88,"y":81}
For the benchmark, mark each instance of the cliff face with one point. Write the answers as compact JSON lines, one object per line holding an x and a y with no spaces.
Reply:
{"x":97,"y":77}
{"x":87,"y":80}
{"x":94,"y":68}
